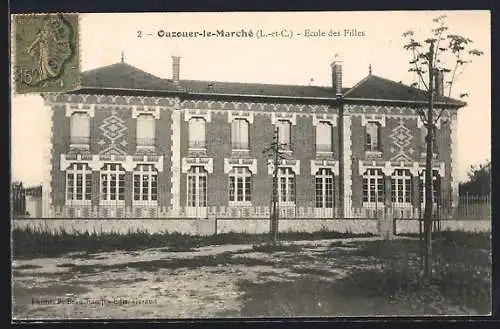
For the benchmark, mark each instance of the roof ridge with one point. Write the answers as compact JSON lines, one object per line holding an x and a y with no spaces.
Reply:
{"x":122,"y":64}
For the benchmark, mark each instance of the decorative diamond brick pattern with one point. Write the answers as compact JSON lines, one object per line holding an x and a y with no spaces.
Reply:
{"x":113,"y":128}
{"x":401,"y":138}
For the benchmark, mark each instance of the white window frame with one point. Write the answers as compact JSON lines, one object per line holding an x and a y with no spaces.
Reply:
{"x":244,"y":175}
{"x":421,"y":187}
{"x":149,"y":172}
{"x":106,"y":171}
{"x":197,"y":144}
{"x":401,"y":186}
{"x":373,"y":189}
{"x":290,"y":188}
{"x":322,"y":176}
{"x":79,"y":141}
{"x":84,"y":170}
{"x":141,"y":142}
{"x":196,"y":174}
{"x":236,"y":134}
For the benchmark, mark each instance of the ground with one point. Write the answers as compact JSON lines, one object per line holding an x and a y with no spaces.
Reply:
{"x":334,"y":277}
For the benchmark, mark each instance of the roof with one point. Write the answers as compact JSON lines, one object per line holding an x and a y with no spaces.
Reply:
{"x":123,"y":76}
{"x":378,"y":88}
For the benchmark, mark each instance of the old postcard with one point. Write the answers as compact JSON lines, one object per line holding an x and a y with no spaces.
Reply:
{"x":215,"y":165}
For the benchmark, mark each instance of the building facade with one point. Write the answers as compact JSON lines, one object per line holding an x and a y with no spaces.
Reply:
{"x":129,"y":144}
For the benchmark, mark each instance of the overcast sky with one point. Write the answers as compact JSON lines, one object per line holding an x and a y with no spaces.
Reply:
{"x":296,"y":60}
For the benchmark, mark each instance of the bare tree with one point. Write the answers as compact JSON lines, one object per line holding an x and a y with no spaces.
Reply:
{"x":443,"y":54}
{"x":276,"y":152}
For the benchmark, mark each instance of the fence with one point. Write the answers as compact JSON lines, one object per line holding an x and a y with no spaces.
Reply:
{"x":34,"y":205}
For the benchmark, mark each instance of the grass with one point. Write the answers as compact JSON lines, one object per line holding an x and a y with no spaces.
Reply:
{"x":391,"y":284}
{"x":33,"y":242}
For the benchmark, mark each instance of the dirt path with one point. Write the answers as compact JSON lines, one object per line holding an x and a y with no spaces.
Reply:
{"x":157,"y":283}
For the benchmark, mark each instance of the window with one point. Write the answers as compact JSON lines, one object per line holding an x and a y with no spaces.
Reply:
{"x":197,"y":133}
{"x":401,"y":186}
{"x":239,"y":134}
{"x":240,"y":185}
{"x":197,"y":187}
{"x":323,"y":137}
{"x":286,"y":187}
{"x":324,"y":188}
{"x":284,"y":133}
{"x":112,"y":183}
{"x":78,"y":183}
{"x":372,"y":136}
{"x":435,"y":186}
{"x":145,"y":130}
{"x":145,"y":183}
{"x":373,"y":186}
{"x":80,"y":128}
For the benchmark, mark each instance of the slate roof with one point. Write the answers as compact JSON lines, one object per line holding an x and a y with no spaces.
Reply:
{"x":378,"y":88}
{"x":123,"y":76}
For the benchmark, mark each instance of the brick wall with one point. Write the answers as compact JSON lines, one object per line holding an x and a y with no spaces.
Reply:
{"x":60,"y":145}
{"x":218,"y":147}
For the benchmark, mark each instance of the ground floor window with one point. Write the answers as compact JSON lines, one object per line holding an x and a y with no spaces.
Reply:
{"x":373,"y":185}
{"x":79,"y":182}
{"x":197,"y":187}
{"x":240,"y":185}
{"x":286,"y":185}
{"x":112,"y":182}
{"x":324,"y":188}
{"x":145,"y":183}
{"x":435,"y":186}
{"x":401,"y":186}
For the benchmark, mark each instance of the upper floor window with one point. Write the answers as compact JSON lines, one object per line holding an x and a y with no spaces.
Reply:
{"x":324,"y":188}
{"x":80,"y":128}
{"x":372,"y":136}
{"x":401,"y":186}
{"x":112,"y":183}
{"x":145,"y":130}
{"x":78,"y":183}
{"x":284,"y":133}
{"x":324,"y":137}
{"x":373,"y":186}
{"x":145,"y":183}
{"x":240,"y":185}
{"x":239,"y":134}
{"x":197,"y":133}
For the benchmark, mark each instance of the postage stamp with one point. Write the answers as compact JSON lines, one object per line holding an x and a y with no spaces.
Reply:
{"x":251,"y":165}
{"x":46,"y":53}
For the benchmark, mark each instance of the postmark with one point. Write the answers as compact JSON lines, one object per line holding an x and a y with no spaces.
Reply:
{"x":46,"y":53}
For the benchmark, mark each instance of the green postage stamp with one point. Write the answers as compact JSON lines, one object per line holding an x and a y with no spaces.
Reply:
{"x":46,"y":53}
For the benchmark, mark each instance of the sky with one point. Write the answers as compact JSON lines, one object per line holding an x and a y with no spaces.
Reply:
{"x":375,"y":39}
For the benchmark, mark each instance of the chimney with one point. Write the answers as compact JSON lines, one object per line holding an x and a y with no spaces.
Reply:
{"x":176,"y":69}
{"x":337,"y":77}
{"x":439,"y":83}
